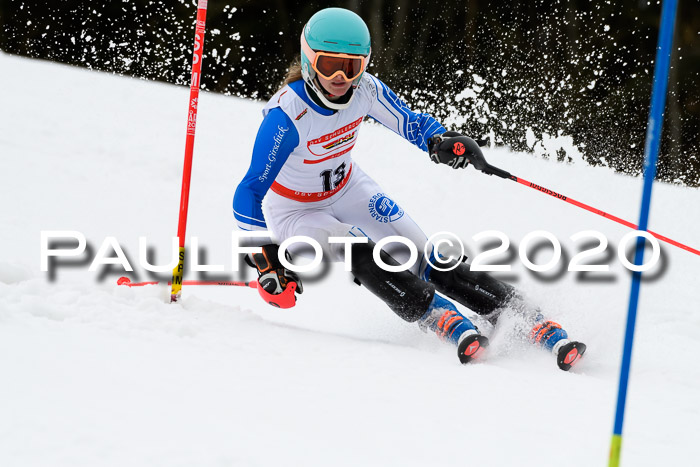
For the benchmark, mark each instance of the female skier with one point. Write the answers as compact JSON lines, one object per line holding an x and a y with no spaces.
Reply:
{"x":302,"y":167}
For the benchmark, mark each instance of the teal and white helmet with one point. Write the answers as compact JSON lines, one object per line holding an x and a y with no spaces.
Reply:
{"x":335,"y":31}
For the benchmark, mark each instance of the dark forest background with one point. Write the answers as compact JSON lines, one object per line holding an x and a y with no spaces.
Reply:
{"x":517,"y":69}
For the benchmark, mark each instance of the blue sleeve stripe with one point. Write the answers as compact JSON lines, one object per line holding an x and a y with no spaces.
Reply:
{"x":238,"y":214}
{"x":404,"y":114}
{"x":414,"y":127}
{"x":251,"y":222}
{"x":399,"y":126}
{"x":249,"y":227}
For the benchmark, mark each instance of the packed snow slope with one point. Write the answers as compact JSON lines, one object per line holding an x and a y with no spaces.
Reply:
{"x":92,"y":374}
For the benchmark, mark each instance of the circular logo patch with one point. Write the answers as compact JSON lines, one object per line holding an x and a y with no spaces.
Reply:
{"x":384,"y":209}
{"x":458,"y":148}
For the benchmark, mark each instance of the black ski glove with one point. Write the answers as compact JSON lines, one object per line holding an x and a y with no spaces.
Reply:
{"x":443,"y":150}
{"x":272,"y":276}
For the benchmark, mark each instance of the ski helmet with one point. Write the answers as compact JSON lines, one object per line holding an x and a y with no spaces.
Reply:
{"x":339,"y":31}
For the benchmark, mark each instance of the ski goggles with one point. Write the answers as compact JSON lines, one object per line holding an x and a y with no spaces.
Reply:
{"x":328,"y":65}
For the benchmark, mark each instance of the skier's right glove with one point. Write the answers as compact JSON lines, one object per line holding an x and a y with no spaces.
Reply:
{"x":277,"y":284}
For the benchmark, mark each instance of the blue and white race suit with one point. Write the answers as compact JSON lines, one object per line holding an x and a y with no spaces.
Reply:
{"x":302,"y":166}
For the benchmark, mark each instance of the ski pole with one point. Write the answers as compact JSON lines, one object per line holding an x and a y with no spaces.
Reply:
{"x":127,"y":282}
{"x":178,"y":272}
{"x":476,"y":158}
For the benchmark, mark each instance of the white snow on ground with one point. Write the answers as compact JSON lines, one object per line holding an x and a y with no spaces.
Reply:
{"x":92,"y":374}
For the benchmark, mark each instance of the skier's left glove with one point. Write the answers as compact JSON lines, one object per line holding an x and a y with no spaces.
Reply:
{"x":277,"y":284}
{"x":444,"y":150}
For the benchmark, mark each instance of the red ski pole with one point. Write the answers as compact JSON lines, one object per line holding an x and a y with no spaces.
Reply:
{"x":178,"y":272}
{"x":463,"y":145}
{"x":581,"y":205}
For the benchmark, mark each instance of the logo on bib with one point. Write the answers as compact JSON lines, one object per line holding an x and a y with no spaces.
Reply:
{"x":384,"y":209}
{"x":334,"y":144}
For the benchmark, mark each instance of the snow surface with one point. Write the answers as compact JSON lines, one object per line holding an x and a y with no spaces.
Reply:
{"x":92,"y":374}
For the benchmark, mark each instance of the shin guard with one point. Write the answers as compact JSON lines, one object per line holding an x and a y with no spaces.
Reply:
{"x":407,"y":295}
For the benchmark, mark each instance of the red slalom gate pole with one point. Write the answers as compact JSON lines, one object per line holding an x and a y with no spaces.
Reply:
{"x":286,"y":299}
{"x":178,"y":272}
{"x":127,"y":282}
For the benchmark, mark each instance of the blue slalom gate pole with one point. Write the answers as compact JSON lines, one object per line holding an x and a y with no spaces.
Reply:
{"x":651,"y":154}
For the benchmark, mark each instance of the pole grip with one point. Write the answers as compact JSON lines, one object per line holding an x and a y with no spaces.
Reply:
{"x":475,"y":156}
{"x":492,"y":170}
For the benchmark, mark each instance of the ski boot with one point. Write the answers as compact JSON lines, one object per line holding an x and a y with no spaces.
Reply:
{"x":449,"y":324}
{"x":552,"y":337}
